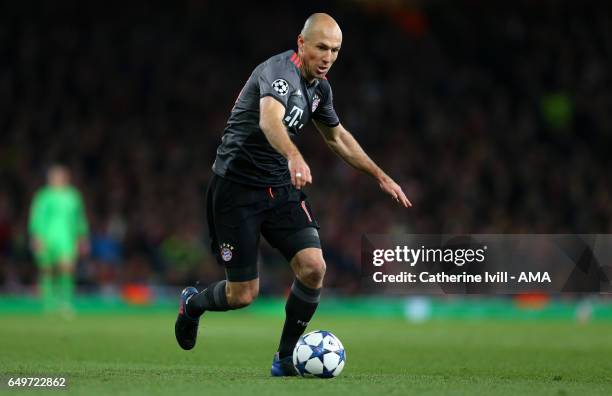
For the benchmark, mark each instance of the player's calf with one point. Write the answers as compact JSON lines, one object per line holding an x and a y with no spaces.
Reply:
{"x":219,"y":296}
{"x":299,"y":309}
{"x":242,"y":294}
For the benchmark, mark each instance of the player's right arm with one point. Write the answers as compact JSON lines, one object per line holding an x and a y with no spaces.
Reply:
{"x":271,"y":113}
{"x":36,"y":225}
{"x":276,"y":82}
{"x":82,"y":226}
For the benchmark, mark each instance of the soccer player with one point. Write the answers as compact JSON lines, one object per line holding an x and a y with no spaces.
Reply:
{"x":57,"y":225}
{"x":256,"y":187}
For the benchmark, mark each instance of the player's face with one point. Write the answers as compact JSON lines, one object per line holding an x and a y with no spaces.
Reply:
{"x":59,"y":177}
{"x":319,"y":52}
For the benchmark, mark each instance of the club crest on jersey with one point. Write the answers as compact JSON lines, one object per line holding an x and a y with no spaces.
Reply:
{"x":227,"y":252}
{"x":280,"y":86}
{"x":315,"y":102}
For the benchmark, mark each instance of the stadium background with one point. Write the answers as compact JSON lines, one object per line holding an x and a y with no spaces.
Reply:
{"x":495,"y":117}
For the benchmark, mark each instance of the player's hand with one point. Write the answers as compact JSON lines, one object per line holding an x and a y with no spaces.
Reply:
{"x":394,"y":190}
{"x":36,"y":245}
{"x":299,"y":170}
{"x":84,"y":247}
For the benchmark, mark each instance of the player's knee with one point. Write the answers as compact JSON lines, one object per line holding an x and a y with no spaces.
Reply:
{"x":312,"y":272}
{"x":46,"y":271}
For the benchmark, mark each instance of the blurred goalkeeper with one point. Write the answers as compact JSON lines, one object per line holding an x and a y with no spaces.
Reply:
{"x":57,"y":226}
{"x":256,"y":188}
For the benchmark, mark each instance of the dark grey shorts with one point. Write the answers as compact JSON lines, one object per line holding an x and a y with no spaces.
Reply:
{"x":238,"y":214}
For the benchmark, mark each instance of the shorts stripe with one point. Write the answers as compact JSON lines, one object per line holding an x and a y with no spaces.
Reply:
{"x":306,"y":211}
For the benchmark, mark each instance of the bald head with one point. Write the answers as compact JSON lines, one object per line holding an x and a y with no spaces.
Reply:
{"x":318,"y":45}
{"x":321,"y":24}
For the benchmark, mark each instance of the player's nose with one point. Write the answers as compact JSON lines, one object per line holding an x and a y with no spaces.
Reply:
{"x":327,"y":57}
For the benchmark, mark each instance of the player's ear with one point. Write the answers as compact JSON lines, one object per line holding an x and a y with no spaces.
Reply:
{"x":300,"y":42}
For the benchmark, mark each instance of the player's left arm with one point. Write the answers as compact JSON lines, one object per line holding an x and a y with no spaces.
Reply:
{"x":342,"y":142}
{"x":82,"y":225}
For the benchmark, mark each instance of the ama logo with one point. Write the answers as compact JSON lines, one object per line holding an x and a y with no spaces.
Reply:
{"x":540,"y":277}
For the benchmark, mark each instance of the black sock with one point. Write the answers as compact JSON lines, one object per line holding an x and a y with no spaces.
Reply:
{"x":213,"y":298}
{"x":300,"y":308}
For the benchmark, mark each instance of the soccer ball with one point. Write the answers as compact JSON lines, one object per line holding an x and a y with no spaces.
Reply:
{"x":320,"y":354}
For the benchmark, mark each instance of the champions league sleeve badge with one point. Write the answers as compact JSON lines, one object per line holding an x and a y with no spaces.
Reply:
{"x":280,"y":86}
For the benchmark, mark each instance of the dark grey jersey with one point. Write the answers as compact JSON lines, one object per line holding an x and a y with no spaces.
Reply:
{"x":245,"y":155}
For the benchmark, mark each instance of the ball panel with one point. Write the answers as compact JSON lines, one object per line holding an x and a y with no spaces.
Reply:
{"x":317,"y":352}
{"x":331,"y":361}
{"x":303,"y":353}
{"x":326,"y":374}
{"x":314,"y":366}
{"x":338,"y":369}
{"x":313,"y":338}
{"x":342,"y":353}
{"x":340,"y":345}
{"x":331,"y":343}
{"x":301,"y":368}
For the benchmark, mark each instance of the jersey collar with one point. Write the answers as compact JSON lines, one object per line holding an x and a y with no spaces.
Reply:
{"x":297,"y":62}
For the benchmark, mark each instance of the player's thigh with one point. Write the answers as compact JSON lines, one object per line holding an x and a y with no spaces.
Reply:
{"x":44,"y":262}
{"x":47,"y":257}
{"x":292,"y":226}
{"x":67,"y":255}
{"x":67,"y":265}
{"x":238,"y":250}
{"x":234,"y":228}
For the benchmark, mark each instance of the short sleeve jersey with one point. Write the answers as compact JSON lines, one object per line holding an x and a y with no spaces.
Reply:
{"x":58,"y":215}
{"x":245,"y":156}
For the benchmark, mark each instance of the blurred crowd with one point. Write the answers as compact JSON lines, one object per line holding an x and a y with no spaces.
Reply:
{"x":495,"y":118}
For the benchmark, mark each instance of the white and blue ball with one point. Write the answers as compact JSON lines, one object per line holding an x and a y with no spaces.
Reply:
{"x":320,"y":354}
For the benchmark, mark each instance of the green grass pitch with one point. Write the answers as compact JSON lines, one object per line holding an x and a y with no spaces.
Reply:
{"x":137,"y":355}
